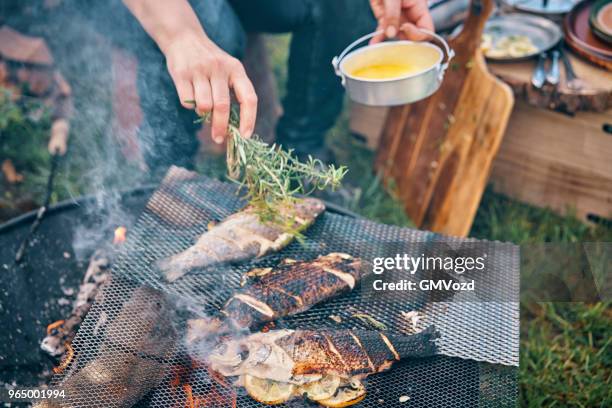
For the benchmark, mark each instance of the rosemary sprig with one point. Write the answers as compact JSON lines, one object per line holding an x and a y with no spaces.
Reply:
{"x":272,"y":176}
{"x":366,"y":318}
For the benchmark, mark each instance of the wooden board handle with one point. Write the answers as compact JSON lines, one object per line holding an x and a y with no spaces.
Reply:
{"x":470,"y":36}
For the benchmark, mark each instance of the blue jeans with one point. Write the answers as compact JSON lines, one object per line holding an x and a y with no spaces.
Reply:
{"x":313,"y":101}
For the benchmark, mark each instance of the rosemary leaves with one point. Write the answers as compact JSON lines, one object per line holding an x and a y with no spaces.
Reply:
{"x":271,"y":176}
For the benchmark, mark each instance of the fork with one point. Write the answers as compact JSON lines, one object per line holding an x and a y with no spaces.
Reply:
{"x":571,"y":79}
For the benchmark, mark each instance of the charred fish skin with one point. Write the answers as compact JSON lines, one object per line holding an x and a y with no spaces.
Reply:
{"x":298,"y":355}
{"x":350,"y":353}
{"x":130,"y":360}
{"x":240,"y":237}
{"x":292,"y":288}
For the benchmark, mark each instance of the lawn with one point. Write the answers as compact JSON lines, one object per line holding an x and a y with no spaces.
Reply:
{"x":565,"y":347}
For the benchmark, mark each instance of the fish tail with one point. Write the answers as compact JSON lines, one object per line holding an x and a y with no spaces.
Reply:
{"x":421,"y":344}
{"x":169,"y":270}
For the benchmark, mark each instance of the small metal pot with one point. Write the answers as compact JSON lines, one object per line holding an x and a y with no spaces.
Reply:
{"x":394,"y":91}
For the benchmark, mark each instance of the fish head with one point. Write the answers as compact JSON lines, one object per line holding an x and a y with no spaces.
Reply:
{"x":258,"y":355}
{"x":308,"y":208}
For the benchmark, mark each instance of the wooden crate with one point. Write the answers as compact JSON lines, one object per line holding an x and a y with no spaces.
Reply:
{"x":549,"y":159}
{"x":546,"y":159}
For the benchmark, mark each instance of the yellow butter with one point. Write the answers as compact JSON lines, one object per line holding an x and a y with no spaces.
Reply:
{"x":393,"y":60}
{"x":383,"y":71}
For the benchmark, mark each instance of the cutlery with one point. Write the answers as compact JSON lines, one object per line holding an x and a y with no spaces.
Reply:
{"x":539,"y":74}
{"x":553,"y":75}
{"x":571,"y":79}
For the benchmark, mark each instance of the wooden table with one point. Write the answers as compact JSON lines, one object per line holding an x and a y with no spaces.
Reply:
{"x":595,"y":96}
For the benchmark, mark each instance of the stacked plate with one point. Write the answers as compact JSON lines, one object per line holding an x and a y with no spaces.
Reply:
{"x":601,"y":20}
{"x":588,"y":30}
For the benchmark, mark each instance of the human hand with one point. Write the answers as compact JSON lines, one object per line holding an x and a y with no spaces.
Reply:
{"x":204,"y":73}
{"x":401,"y":18}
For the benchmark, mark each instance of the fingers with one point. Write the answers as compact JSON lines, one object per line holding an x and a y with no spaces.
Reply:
{"x":378,"y":37}
{"x":417,"y":13}
{"x":221,"y":107}
{"x":245,"y":93}
{"x":410,"y":32}
{"x":184,"y":89}
{"x":393,"y":11}
{"x":203,"y":95}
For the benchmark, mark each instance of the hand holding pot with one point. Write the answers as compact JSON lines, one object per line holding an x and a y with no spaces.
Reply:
{"x":401,"y":18}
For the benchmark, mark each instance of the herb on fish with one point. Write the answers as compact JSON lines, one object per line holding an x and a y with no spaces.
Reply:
{"x":370,"y":320}
{"x":336,"y":318}
{"x":273,"y":176}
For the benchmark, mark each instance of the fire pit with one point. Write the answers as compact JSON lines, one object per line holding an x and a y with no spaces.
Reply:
{"x":37,"y":292}
{"x":131,"y":347}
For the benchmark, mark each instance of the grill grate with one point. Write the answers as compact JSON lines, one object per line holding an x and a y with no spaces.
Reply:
{"x":115,"y":345}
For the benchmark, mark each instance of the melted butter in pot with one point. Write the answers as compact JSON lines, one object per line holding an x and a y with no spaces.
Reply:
{"x":383,"y":71}
{"x":392,"y":60}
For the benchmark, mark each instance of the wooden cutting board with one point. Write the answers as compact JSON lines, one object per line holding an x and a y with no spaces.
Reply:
{"x":438,"y":151}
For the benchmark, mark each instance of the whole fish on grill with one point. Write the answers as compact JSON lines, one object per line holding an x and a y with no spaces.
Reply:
{"x":242,"y":236}
{"x":291,"y":287}
{"x":326,"y":365}
{"x":130,"y":360}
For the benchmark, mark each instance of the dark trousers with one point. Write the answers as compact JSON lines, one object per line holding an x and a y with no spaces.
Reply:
{"x":320,"y":28}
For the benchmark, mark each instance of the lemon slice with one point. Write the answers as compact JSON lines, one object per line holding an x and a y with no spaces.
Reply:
{"x":346,"y":396}
{"x":323,"y":389}
{"x":268,"y":391}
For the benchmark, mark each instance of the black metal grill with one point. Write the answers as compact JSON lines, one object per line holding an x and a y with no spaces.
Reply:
{"x":478,"y":348}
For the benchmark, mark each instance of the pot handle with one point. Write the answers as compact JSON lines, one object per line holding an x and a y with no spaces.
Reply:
{"x":450,"y":53}
{"x":337,"y":60}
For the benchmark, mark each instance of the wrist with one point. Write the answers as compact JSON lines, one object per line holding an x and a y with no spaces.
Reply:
{"x":184,"y":34}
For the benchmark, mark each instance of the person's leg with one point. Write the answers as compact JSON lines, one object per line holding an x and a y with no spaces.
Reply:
{"x":321,"y":29}
{"x":314,"y":93}
{"x":167,"y":133}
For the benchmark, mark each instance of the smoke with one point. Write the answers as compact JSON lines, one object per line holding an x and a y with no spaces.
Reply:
{"x":110,"y":64}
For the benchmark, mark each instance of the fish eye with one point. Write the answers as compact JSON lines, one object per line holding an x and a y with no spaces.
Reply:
{"x":244,"y":352}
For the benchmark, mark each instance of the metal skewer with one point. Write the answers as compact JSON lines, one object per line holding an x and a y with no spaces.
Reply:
{"x":41,"y":211}
{"x":57,"y":148}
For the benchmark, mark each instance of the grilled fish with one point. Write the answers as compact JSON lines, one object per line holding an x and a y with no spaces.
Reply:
{"x":241,"y":236}
{"x":298,"y":356}
{"x":292,"y":287}
{"x":272,"y":293}
{"x":326,"y":366}
{"x":130,"y":360}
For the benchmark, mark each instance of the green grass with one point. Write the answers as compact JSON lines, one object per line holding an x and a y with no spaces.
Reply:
{"x":566,"y":356}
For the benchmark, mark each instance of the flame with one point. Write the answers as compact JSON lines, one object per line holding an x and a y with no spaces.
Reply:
{"x":66,"y":360}
{"x":53,"y":326}
{"x":120,"y":233}
{"x":189,"y":392}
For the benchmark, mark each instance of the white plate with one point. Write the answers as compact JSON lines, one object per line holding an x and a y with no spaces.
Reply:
{"x":553,"y":7}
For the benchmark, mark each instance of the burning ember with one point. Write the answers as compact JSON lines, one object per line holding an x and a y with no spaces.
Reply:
{"x":66,"y":360}
{"x":120,"y":235}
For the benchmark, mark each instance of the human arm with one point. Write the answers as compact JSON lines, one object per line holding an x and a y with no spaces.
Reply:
{"x":201,"y":71}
